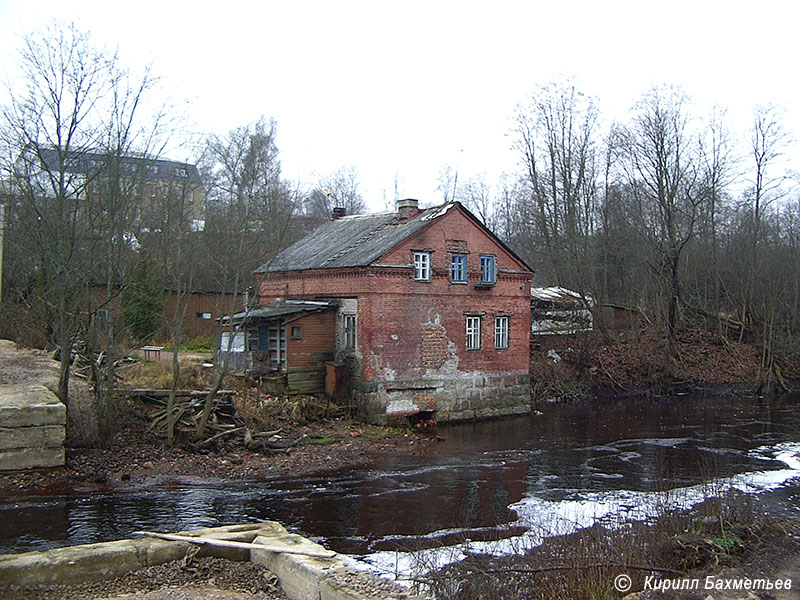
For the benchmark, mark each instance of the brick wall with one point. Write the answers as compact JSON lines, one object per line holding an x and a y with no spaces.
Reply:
{"x":316,"y":341}
{"x":411,"y":335}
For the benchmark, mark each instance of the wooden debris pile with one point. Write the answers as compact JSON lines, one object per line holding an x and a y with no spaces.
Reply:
{"x":238,"y":418}
{"x":267,"y":411}
{"x":87,"y":363}
{"x":187,"y":410}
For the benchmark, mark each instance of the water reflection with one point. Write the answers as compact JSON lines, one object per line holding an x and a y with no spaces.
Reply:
{"x":486,"y":477}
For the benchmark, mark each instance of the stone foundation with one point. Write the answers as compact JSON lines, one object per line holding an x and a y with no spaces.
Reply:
{"x":465,"y":398}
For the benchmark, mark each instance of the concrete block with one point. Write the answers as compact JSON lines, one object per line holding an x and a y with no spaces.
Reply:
{"x":31,"y":458}
{"x":46,"y":436}
{"x":30,"y":406}
{"x":474,"y":398}
{"x":89,"y":562}
{"x":299,"y":575}
{"x":520,"y":391}
{"x":93,"y":562}
{"x":306,"y":577}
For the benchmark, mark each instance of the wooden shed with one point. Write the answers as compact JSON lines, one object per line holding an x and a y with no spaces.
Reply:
{"x":292,"y":339}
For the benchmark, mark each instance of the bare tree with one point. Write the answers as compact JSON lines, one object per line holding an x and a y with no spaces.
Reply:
{"x":339,"y":189}
{"x":662,"y":172}
{"x":52,"y":126}
{"x":254,"y":222}
{"x":447,"y":183}
{"x":716,"y":164}
{"x":768,"y":141}
{"x":478,"y":198}
{"x":67,"y":137}
{"x":177,"y":246}
{"x":556,"y":140}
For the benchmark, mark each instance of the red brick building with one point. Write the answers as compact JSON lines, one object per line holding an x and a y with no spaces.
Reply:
{"x":430,"y":310}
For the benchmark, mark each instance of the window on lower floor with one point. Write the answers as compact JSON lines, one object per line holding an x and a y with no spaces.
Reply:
{"x":297,"y":332}
{"x":473,"y":333}
{"x":501,"y":332}
{"x":349,"y":332}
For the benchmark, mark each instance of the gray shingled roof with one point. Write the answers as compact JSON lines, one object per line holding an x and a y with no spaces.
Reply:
{"x":354,"y":241}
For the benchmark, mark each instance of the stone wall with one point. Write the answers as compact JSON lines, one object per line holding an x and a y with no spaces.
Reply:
{"x":32,"y":427}
{"x":465,"y":398}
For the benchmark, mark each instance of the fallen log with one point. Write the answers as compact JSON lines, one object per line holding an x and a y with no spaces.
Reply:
{"x":221,"y":434}
{"x":284,"y":446}
{"x":202,"y":540}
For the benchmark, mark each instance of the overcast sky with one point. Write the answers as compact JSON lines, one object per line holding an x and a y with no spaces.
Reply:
{"x":406,"y":88}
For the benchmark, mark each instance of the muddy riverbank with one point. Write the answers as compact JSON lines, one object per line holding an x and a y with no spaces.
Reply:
{"x":137,"y":455}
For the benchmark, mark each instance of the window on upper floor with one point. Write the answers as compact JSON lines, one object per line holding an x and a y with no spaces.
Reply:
{"x":487,"y":269}
{"x":458,"y":268}
{"x":422,"y":266}
{"x":473,"y":333}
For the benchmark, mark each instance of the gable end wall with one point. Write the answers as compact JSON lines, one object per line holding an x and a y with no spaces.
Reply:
{"x":411,"y":343}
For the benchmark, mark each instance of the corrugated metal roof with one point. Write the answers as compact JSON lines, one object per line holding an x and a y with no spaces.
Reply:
{"x":281,"y":309}
{"x":354,"y":241}
{"x":558,"y":296}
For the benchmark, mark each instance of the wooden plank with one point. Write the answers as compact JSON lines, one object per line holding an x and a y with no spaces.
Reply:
{"x":165,"y":393}
{"x":202,"y":540}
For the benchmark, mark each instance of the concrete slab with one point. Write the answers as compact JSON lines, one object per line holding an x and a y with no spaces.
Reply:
{"x":305,"y":577}
{"x":31,"y":458}
{"x":46,"y":436}
{"x":301,"y":577}
{"x":23,"y":405}
{"x":92,"y":562}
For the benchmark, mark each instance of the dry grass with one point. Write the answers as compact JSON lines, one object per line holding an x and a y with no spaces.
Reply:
{"x":157,"y":375}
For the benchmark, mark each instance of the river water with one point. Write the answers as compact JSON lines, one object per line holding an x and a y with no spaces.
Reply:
{"x":501,"y":484}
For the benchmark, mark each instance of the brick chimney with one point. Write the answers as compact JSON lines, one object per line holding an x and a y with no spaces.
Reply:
{"x":338,"y":212}
{"x":407,"y":207}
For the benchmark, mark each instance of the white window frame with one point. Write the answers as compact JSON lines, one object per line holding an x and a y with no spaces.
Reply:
{"x":422,"y":266}
{"x":501,"y":330}
{"x":458,"y":267}
{"x":473,"y":332}
{"x":488,"y":274}
{"x":237,"y":345}
{"x":349,"y":328}
{"x":100,"y":318}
